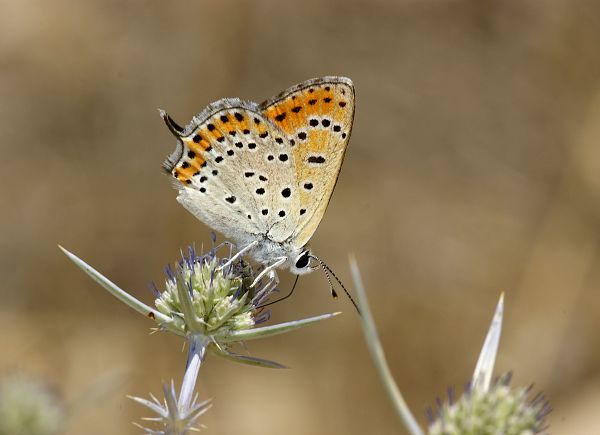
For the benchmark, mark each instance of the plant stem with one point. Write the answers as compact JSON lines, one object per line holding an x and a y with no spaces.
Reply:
{"x":198,"y":344}
{"x":376,"y":351}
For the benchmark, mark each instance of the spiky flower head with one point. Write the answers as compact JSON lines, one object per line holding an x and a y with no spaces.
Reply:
{"x":211,"y":300}
{"x":170,"y":415}
{"x":218,"y":295}
{"x":212,"y":303}
{"x":28,"y":408}
{"x":500,"y":410}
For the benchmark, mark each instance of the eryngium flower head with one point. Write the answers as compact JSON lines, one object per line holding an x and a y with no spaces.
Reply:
{"x":500,"y":410}
{"x":211,"y":301}
{"x":27,"y":408}
{"x":221,"y":300}
{"x":173,"y":419}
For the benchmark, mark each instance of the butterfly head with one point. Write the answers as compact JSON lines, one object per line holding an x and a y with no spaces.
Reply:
{"x":300,"y":264}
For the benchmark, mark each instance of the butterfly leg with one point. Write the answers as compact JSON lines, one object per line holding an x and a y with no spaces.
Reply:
{"x":238,"y":255}
{"x":273,"y":281}
{"x":268,"y":269}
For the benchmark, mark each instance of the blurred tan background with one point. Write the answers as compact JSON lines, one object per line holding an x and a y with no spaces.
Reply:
{"x":474,"y":167}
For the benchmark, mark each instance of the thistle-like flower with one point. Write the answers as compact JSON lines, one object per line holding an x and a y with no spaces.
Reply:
{"x":211,"y":298}
{"x":500,"y":410}
{"x":27,"y":407}
{"x":487,"y":407}
{"x":213,"y":303}
{"x":173,"y":420}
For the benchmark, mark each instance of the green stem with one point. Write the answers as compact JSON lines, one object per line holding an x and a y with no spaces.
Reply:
{"x":378,"y":356}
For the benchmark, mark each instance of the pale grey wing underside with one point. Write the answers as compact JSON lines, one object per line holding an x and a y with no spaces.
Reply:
{"x":234,"y":170}
{"x":265,"y":171}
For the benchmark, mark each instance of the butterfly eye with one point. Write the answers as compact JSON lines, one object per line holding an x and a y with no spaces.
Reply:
{"x":303,"y":260}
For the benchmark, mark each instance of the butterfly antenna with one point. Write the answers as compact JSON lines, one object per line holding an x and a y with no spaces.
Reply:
{"x":328,"y":271}
{"x":331,"y":289}
{"x":283,"y":298}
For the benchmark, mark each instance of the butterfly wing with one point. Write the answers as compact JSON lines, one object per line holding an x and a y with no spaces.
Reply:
{"x":316,"y":118}
{"x":252,"y":171}
{"x":233,"y":169}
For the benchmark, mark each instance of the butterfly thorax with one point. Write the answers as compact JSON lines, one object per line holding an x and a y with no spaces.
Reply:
{"x":266,"y":251}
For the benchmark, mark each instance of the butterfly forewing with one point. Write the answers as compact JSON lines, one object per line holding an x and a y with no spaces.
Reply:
{"x":233,"y":171}
{"x":316,"y":116}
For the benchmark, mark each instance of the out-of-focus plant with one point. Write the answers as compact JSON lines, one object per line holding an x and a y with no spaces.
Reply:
{"x":27,"y":407}
{"x":485,"y":408}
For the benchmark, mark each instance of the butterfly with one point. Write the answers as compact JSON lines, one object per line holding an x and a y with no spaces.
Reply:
{"x":263,"y":174}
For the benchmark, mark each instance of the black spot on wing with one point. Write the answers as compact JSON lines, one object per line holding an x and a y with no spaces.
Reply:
{"x":316,"y":159}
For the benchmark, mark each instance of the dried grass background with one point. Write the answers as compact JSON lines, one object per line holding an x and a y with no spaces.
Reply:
{"x":474,"y":167}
